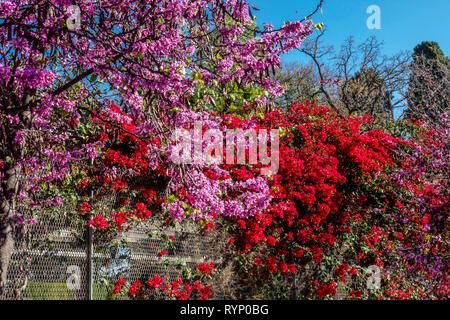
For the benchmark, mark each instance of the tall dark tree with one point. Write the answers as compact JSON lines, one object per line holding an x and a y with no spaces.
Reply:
{"x":429,"y":83}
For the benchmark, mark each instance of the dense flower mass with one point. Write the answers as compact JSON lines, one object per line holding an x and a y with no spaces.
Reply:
{"x":192,"y":287}
{"x":342,"y":203}
{"x":126,"y":166}
{"x":334,"y":193}
{"x":60,"y":61}
{"x":90,"y":103}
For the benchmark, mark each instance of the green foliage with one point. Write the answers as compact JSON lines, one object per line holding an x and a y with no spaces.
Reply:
{"x":431,"y":51}
{"x":37,"y":290}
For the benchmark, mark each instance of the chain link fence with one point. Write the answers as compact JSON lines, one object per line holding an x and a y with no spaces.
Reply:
{"x":51,"y":259}
{"x":58,"y":259}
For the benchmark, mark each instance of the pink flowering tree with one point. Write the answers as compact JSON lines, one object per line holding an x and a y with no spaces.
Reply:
{"x":58,"y":62}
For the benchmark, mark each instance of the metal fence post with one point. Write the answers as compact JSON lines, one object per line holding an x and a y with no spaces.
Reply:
{"x":89,"y":265}
{"x":89,"y":251}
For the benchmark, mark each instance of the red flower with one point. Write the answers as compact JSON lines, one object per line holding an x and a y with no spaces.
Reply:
{"x":206,"y":268}
{"x":271,"y":241}
{"x":183,"y":296}
{"x":297,"y":252}
{"x":283,"y":267}
{"x":155,"y":282}
{"x":162,"y":253}
{"x":99,"y":222}
{"x":141,"y":206}
{"x":352,"y":271}
{"x":356,"y":293}
{"x":117,"y":289}
{"x":120,"y":218}
{"x":317,"y":257}
{"x":271,"y":264}
{"x":134,"y":289}
{"x":293,"y":268}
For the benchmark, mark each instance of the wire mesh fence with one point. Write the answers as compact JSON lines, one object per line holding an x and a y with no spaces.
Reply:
{"x":50,"y":260}
{"x":56,"y":259}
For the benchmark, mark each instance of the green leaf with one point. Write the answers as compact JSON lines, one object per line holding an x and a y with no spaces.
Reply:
{"x":319,"y":26}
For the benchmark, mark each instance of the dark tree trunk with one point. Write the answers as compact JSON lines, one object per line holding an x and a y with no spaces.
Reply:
{"x":7,"y":207}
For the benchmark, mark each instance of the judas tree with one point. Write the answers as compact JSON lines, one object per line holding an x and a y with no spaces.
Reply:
{"x":58,"y":61}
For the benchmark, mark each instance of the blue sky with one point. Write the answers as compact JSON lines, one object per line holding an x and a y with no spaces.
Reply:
{"x":404,"y":23}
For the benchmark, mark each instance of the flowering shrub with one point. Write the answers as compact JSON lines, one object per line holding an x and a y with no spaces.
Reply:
{"x":126,"y":167}
{"x":332,"y":214}
{"x":423,"y":206}
{"x":338,"y":207}
{"x":193,"y":287}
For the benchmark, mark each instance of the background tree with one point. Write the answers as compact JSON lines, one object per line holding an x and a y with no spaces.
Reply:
{"x":366,"y":93}
{"x":358,"y":79}
{"x":300,"y":82}
{"x":429,"y":83}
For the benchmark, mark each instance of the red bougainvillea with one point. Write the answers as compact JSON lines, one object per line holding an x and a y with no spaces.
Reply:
{"x":193,"y":287}
{"x":332,"y":213}
{"x":123,"y":159}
